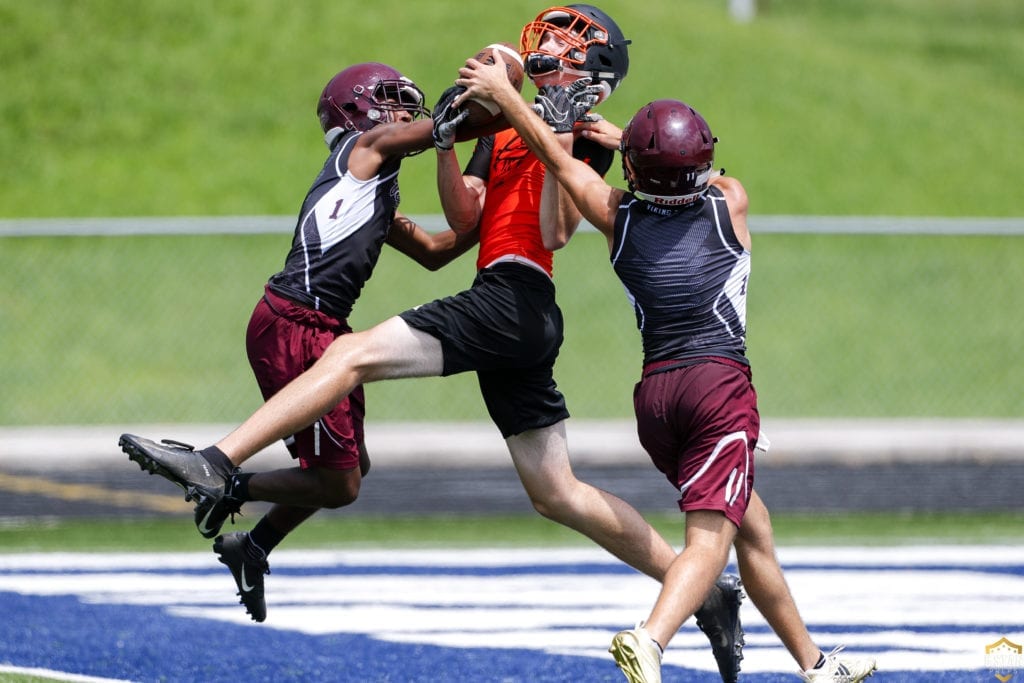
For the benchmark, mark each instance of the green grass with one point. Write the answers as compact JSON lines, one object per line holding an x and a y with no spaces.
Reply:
{"x":151,"y":329}
{"x":864,"y":326}
{"x":187,"y":107}
{"x":356,"y":531}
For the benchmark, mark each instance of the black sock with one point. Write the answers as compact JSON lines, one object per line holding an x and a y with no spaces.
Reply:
{"x":821,"y":660}
{"x":220,"y":462}
{"x":265,"y":537}
{"x":238,"y":485}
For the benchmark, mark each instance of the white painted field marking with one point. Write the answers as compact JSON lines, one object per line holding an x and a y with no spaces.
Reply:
{"x":914,"y":608}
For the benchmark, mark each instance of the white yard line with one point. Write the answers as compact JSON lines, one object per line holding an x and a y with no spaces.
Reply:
{"x":926,"y":608}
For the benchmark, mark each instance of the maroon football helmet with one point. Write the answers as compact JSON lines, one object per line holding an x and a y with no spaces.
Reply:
{"x":364,"y":95}
{"x":667,"y":152}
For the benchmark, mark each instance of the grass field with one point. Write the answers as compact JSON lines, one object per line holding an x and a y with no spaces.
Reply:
{"x":356,"y":531}
{"x":151,"y":329}
{"x":18,"y":678}
{"x":186,"y":107}
{"x":823,"y":107}
{"x":192,"y":108}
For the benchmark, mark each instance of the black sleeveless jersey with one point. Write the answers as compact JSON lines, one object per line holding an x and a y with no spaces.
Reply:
{"x":685,"y":274}
{"x":340,"y":231}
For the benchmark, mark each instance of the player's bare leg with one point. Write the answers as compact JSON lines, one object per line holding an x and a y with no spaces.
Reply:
{"x":541,"y":458}
{"x":390,"y":350}
{"x":638,"y":651}
{"x":709,"y":536}
{"x":766,"y":585}
{"x":310,"y":488}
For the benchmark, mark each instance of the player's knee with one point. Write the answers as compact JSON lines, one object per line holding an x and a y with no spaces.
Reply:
{"x":339,"y":499}
{"x":755,"y":534}
{"x":347,"y":357}
{"x":555,"y":493}
{"x":542,"y":508}
{"x":339,"y":489}
{"x":553,"y":503}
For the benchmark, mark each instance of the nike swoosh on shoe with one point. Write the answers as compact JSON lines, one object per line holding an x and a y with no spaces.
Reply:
{"x":203,"y":525}
{"x":246,"y":588}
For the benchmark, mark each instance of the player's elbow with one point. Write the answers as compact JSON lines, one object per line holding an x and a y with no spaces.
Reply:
{"x":560,"y":231}
{"x":461,"y":216}
{"x":427,"y":262}
{"x":434,"y":263}
{"x":462,"y":222}
{"x":555,"y":242}
{"x":463,"y":227}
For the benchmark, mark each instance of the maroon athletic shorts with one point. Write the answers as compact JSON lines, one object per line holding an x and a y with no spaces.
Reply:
{"x":283,"y":340}
{"x":699,"y":424}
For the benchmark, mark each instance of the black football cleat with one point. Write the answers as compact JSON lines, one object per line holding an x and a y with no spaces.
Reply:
{"x":181,"y":464}
{"x":719,"y":619}
{"x":248,"y":573}
{"x":211,"y":512}
{"x":177,"y":462}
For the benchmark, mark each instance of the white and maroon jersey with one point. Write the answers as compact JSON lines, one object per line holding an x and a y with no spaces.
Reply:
{"x":685,"y":274}
{"x":340,"y":231}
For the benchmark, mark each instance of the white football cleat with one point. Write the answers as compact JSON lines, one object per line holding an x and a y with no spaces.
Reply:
{"x":840,"y":669}
{"x":637,"y":654}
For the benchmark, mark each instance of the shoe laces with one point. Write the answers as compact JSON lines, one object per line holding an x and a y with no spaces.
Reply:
{"x":832,"y":667}
{"x":255,"y":556}
{"x":235,"y":511}
{"x":262,"y":565}
{"x":232,"y":505}
{"x":832,"y":661}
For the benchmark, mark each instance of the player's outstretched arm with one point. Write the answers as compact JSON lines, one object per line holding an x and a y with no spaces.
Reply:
{"x":602,"y":131}
{"x":430,"y":250}
{"x":386,"y":141}
{"x":462,"y":197}
{"x":596,"y":199}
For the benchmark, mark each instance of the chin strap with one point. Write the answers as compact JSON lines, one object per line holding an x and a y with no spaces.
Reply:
{"x":599,"y":78}
{"x":682,"y":199}
{"x":670,"y":200}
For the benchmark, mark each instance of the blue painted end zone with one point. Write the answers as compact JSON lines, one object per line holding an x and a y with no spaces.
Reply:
{"x":925,"y":613}
{"x":146,"y":644}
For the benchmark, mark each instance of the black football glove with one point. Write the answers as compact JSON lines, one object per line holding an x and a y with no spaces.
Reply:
{"x":447,"y":118}
{"x":561,"y":106}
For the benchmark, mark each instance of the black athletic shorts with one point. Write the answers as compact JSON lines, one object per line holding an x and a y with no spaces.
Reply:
{"x":508,"y":328}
